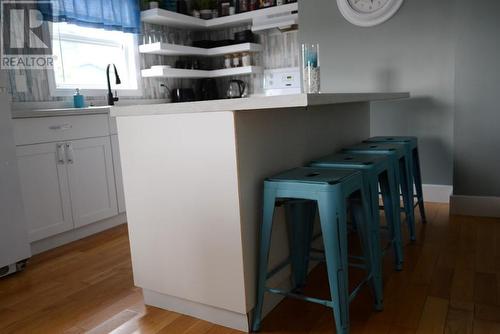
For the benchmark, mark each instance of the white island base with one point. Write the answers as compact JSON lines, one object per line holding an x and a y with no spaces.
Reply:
{"x":193,"y":175}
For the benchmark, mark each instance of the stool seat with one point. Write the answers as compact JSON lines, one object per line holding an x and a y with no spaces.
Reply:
{"x":376,"y":148}
{"x":377,"y":169}
{"x":313,"y":175}
{"x":413,"y":141}
{"x":412,"y":145}
{"x":347,"y":159}
{"x":402,"y":160}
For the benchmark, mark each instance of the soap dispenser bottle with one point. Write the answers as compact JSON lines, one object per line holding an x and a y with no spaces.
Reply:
{"x":78,"y":99}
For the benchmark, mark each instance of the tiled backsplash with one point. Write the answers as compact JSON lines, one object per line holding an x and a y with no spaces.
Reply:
{"x":279,"y":50}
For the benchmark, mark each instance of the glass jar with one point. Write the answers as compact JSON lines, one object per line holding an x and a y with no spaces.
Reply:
{"x":265,"y":3}
{"x":246,"y":59}
{"x":236,"y":60}
{"x":242,"y":6}
{"x":311,"y":77}
{"x":228,"y":61}
{"x":224,"y":8}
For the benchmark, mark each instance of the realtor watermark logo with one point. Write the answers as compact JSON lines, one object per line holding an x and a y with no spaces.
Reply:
{"x":26,"y":38}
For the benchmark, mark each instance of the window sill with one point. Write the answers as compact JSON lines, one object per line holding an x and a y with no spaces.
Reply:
{"x":60,"y":92}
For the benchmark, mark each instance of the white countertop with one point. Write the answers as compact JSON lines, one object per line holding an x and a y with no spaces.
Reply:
{"x":60,"y":112}
{"x":253,"y":103}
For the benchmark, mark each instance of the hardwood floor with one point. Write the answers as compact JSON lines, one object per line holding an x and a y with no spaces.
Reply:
{"x":450,"y":284}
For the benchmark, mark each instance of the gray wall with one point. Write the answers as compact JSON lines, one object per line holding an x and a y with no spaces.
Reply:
{"x":477,"y":89}
{"x":414,"y":52}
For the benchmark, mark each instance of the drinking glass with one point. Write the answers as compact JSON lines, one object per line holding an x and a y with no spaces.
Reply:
{"x":311,"y":69}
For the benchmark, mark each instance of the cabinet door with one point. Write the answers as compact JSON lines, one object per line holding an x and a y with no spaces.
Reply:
{"x":120,"y":195}
{"x":91,"y":180}
{"x":44,"y":187}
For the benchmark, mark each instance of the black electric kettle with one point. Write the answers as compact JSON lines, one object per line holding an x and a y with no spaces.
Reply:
{"x":237,"y":89}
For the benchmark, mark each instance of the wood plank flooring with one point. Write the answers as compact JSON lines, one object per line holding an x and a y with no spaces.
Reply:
{"x":450,"y":284}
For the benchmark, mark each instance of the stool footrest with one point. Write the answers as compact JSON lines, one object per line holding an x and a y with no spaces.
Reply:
{"x":324,"y":302}
{"x":351,"y":264}
{"x":357,"y":289}
{"x":327,"y":303}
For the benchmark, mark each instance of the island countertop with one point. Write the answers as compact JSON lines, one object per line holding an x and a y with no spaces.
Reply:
{"x":254,"y":103}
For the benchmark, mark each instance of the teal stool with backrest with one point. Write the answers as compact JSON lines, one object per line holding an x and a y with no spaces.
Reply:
{"x":400,"y":158}
{"x":412,"y":144}
{"x":376,"y":169}
{"x":330,"y":190}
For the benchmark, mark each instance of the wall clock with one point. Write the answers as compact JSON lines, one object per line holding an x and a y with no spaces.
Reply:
{"x":368,"y":13}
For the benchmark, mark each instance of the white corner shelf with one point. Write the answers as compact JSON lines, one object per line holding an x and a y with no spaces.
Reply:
{"x":196,"y":74}
{"x":166,"y":49}
{"x":164,"y":17}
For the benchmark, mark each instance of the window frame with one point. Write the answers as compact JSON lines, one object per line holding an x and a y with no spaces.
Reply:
{"x":94,"y":92}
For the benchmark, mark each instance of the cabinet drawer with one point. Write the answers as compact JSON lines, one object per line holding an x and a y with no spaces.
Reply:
{"x":49,"y":129}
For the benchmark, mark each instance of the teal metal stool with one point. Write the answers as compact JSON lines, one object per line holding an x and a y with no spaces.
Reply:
{"x":376,"y":169}
{"x":412,"y":144}
{"x":330,"y":190}
{"x":400,"y":158}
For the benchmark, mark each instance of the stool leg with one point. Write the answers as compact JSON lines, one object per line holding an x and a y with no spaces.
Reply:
{"x":418,"y":184}
{"x":369,"y":233}
{"x":374,"y":223}
{"x":334,"y":227}
{"x":265,"y":243}
{"x":389,"y":192}
{"x":300,"y":220}
{"x":407,"y":197}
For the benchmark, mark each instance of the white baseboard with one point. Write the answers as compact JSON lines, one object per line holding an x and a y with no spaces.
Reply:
{"x":79,"y":233}
{"x":437,"y":193}
{"x":479,"y":206}
{"x":208,"y":313}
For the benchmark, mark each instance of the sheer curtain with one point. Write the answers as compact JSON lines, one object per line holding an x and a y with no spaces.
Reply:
{"x":122,"y":15}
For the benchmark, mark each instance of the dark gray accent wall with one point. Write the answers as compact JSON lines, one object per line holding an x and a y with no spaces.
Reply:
{"x":477,"y":90}
{"x":414,"y":52}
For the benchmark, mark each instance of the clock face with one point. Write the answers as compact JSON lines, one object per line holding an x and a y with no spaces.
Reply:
{"x":368,"y":13}
{"x":367,"y":6}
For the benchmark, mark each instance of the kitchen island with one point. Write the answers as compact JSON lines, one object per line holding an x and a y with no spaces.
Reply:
{"x":193,"y":175}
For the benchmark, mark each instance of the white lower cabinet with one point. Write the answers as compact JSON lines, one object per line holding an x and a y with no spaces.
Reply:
{"x":91,"y":180}
{"x":66,"y":185}
{"x":44,"y":185}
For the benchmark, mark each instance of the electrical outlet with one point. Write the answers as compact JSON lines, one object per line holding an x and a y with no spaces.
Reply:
{"x":282,"y":81}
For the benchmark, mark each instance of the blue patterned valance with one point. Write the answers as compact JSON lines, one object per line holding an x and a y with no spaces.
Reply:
{"x":122,"y":15}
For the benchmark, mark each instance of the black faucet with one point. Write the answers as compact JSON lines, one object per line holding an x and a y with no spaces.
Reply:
{"x":112,"y":99}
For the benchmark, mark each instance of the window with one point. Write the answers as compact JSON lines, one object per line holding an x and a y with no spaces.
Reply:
{"x":81,"y":55}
